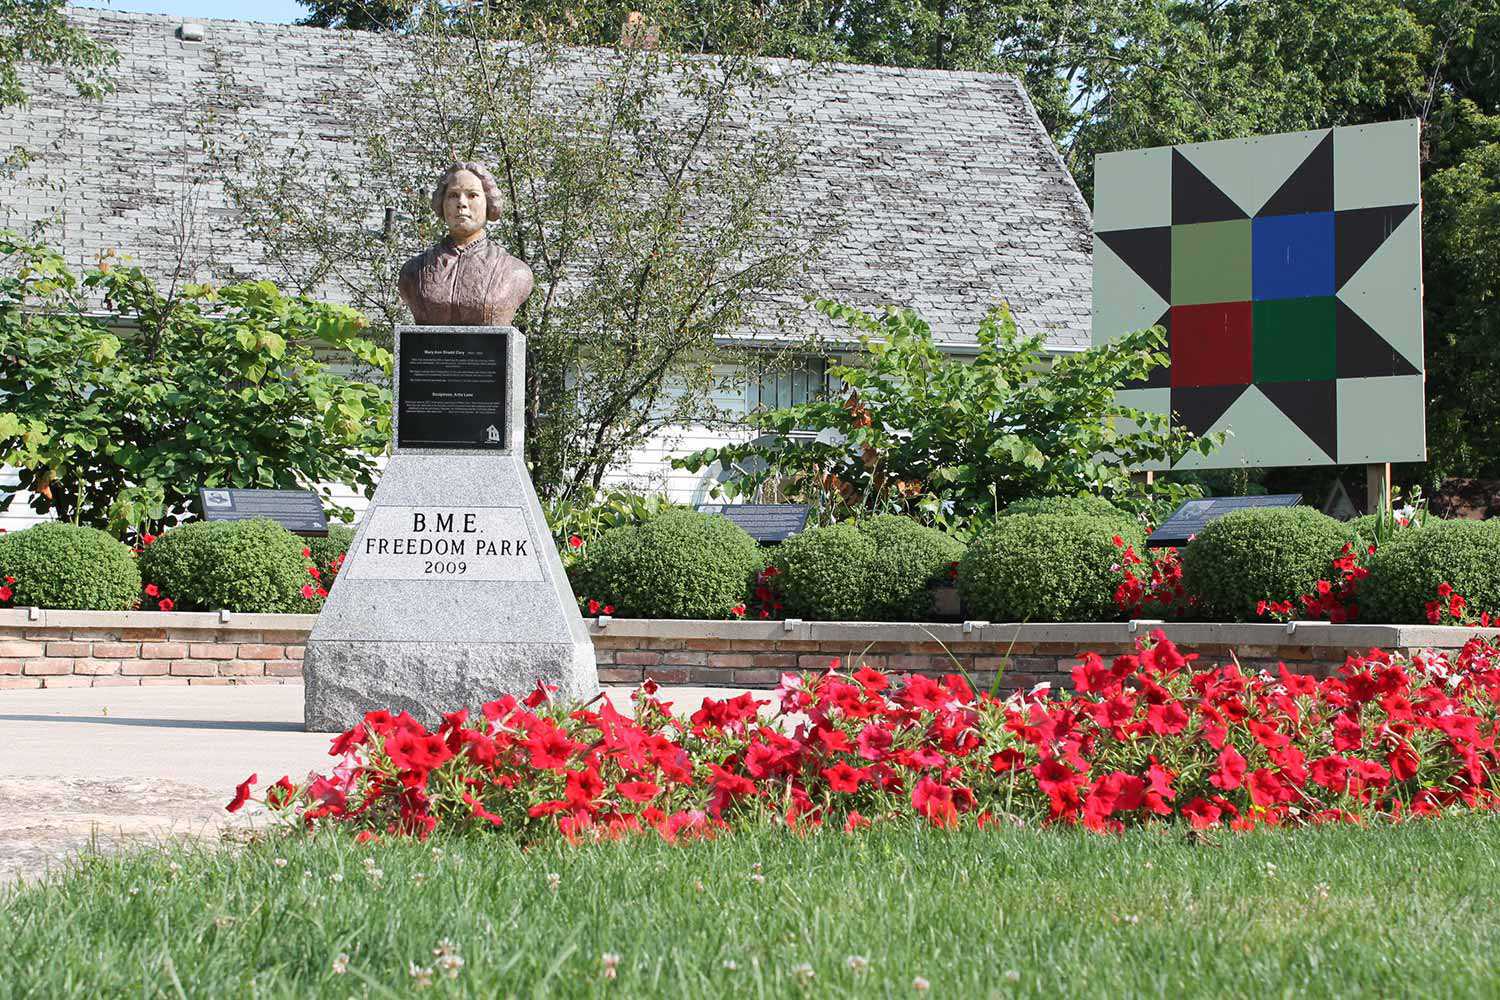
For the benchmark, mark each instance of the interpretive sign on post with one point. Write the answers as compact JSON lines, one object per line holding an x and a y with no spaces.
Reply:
{"x":298,"y":511}
{"x":1189,"y":519}
{"x":767,"y":523}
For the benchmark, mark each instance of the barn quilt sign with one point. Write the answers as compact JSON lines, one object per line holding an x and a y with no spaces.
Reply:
{"x":1287,"y":271}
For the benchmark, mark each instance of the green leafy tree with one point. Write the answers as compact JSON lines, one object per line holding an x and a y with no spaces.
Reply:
{"x":117,"y":424}
{"x":359,"y":15}
{"x":652,"y":216}
{"x":37,"y":33}
{"x":914,"y":429}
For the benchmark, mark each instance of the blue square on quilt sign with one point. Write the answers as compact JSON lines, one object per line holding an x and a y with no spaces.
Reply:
{"x":1292,"y":256}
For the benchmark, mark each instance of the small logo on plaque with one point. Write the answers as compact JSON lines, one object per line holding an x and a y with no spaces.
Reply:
{"x":492,"y":434}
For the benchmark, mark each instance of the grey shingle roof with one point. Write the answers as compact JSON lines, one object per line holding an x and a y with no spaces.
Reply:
{"x":956,"y":198}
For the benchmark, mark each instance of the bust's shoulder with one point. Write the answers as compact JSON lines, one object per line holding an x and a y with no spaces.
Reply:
{"x":515,"y":268}
{"x":414,"y":265}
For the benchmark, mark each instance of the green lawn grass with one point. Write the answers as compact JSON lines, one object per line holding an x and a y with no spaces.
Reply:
{"x":1409,"y":910}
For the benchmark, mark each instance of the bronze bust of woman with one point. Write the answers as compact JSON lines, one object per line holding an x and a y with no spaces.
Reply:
{"x":465,"y":280}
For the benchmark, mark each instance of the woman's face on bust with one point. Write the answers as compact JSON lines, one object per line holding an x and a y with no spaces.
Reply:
{"x":464,"y":206}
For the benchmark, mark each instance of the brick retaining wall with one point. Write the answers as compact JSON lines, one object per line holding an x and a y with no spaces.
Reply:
{"x":98,"y":648}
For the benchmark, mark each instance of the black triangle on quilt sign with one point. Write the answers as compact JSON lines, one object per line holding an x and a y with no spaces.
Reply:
{"x":1160,"y":377}
{"x":1358,"y":233}
{"x":1361,"y":352}
{"x":1312,"y":406}
{"x":1195,"y":198}
{"x":1310,"y":186}
{"x":1197,"y":407}
{"x":1147,"y":252}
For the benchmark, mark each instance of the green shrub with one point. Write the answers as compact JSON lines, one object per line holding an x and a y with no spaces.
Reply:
{"x":254,"y":567}
{"x":1044,"y":567}
{"x":67,"y":566}
{"x":1084,"y":506}
{"x":908,"y":559}
{"x":679,"y":564}
{"x":823,"y":573}
{"x":1406,"y":571}
{"x":1266,"y":553}
{"x":326,"y":550}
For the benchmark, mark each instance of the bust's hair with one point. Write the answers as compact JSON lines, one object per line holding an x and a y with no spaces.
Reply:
{"x":486,"y":181}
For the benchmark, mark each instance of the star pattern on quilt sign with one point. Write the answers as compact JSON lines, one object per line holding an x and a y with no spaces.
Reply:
{"x":1286,"y":270}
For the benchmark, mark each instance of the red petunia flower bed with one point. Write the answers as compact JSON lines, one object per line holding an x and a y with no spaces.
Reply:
{"x":1148,"y":738}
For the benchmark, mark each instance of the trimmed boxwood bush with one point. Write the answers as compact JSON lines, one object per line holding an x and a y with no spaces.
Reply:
{"x":679,"y":564}
{"x":68,"y":566}
{"x":824,"y":573}
{"x":1044,"y":568}
{"x":1406,"y":571}
{"x":1267,"y":553}
{"x":255,"y":567}
{"x":1085,"y":506}
{"x":908,"y":559}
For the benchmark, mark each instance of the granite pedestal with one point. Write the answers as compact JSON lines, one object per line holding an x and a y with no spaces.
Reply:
{"x":452,"y":592}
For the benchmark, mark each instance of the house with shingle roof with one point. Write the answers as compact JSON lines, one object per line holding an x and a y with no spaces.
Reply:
{"x":954,"y":196}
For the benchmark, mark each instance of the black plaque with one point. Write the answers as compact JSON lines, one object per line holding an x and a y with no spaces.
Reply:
{"x":1189,"y":519}
{"x":298,"y":511}
{"x":768,"y":523}
{"x":451,"y":391}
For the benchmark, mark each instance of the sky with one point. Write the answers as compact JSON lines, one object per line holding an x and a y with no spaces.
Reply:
{"x":271,"y":11}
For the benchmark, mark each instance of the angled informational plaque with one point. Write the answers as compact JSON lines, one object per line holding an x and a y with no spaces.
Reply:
{"x":1287,"y":272}
{"x":1189,"y":519}
{"x":767,"y":523}
{"x":298,"y":511}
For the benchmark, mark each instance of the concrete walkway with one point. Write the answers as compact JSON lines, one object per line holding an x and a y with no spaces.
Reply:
{"x":150,"y":763}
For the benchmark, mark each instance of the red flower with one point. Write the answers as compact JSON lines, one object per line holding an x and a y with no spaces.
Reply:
{"x":550,"y":749}
{"x":166,"y":604}
{"x":1111,"y":793}
{"x":280,"y":793}
{"x":1347,"y":734}
{"x":5,"y":593}
{"x":1266,"y":788}
{"x":843,"y":778}
{"x":638,"y":791}
{"x":855,"y":821}
{"x":609,"y":609}
{"x":874,"y":741}
{"x":738,"y":611}
{"x":593,"y":606}
{"x":583,"y":787}
{"x":1007,"y":760}
{"x":241,"y":794}
{"x":575,"y":542}
{"x":1167,"y":719}
{"x":147,"y":538}
{"x":307,"y":591}
{"x":1331,"y":772}
{"x":1403,"y":762}
{"x":152,"y":590}
{"x":934,"y":800}
{"x":871,"y":680}
{"x":1231,"y":770}
{"x":1202,"y":814}
{"x":480,"y":812}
